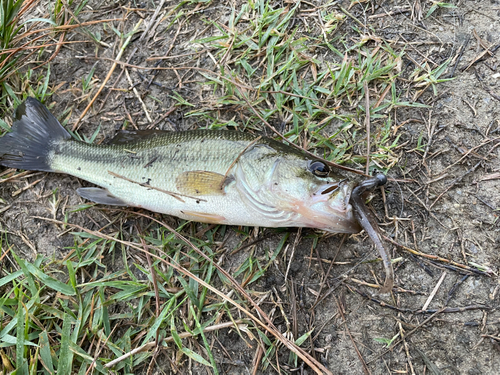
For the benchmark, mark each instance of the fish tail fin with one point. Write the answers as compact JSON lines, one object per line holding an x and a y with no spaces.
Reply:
{"x":32,"y":138}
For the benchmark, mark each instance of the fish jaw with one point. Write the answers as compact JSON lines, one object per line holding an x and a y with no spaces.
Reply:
{"x":330,"y":212}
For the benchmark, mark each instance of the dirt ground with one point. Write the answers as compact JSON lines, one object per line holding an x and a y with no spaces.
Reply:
{"x":444,"y":203}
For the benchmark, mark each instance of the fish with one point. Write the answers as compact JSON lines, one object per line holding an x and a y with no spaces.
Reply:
{"x":212,"y":176}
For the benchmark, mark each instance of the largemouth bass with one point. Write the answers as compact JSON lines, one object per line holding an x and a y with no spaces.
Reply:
{"x":223,"y":177}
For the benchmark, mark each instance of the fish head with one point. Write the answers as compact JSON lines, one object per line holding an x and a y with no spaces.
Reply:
{"x":301,"y":192}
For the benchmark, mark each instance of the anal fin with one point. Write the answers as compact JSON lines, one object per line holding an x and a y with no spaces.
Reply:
{"x":101,"y":196}
{"x":204,"y":217}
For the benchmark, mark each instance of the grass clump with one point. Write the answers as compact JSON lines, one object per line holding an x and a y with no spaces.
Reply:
{"x":312,"y":88}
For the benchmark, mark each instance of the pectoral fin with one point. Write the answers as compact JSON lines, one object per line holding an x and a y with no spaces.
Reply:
{"x":99,"y":195}
{"x":201,"y":183}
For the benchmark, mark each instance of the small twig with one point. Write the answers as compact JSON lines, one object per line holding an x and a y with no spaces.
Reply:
{"x":130,"y":117}
{"x":449,"y":267}
{"x":405,"y":343}
{"x":430,"y":133}
{"x":166,"y":57}
{"x":367,"y":124}
{"x":118,"y":57}
{"x":454,"y":288}
{"x":172,"y":42}
{"x":438,"y":258}
{"x":136,"y":93}
{"x":150,"y":24}
{"x":53,"y":29}
{"x":434,"y":291}
{"x":354,"y":18}
{"x":116,"y":80}
{"x":379,"y":302}
{"x":481,"y":55}
{"x":404,"y":9}
{"x":166,"y":114}
{"x":427,"y":209}
{"x":295,"y":243}
{"x":68,"y":9}
{"x":251,"y":243}
{"x":100,"y":348}
{"x":22,"y":175}
{"x":256,"y":359}
{"x":382,"y":97}
{"x":250,"y":88}
{"x":492,"y":337}
{"x":460,"y":54}
{"x":29,"y":186}
{"x":473,"y":149}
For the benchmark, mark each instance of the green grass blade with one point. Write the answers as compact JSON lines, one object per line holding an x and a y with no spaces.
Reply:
{"x":45,"y":355}
{"x":165,"y":313}
{"x":7,"y":279}
{"x":196,"y":357}
{"x":75,"y":349}
{"x":20,"y":338}
{"x":65,"y":354}
{"x":31,"y":283}
{"x":104,"y":310}
{"x":51,"y":282}
{"x":205,"y":342}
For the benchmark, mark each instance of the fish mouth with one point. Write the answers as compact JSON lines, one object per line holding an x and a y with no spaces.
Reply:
{"x":329,"y":208}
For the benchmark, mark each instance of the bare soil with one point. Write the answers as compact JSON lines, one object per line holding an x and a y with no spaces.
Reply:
{"x":443,"y":199}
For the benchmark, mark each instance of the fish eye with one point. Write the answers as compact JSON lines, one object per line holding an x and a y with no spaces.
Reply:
{"x":318,"y":168}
